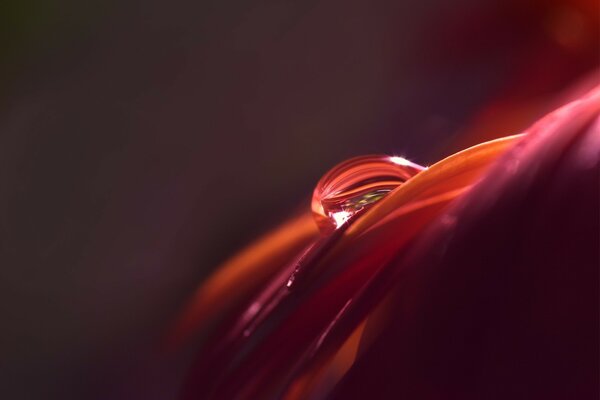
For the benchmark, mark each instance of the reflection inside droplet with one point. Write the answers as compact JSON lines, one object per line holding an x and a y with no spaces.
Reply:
{"x":356,"y":184}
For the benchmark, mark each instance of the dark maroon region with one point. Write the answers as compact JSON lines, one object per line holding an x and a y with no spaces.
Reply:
{"x":499,"y":300}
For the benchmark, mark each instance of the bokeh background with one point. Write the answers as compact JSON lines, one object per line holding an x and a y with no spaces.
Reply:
{"x":143,"y":142}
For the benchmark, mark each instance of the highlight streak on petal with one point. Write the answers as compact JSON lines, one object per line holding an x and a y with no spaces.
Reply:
{"x":241,"y":275}
{"x":320,"y":380}
{"x":458,"y":170}
{"x":327,"y":370}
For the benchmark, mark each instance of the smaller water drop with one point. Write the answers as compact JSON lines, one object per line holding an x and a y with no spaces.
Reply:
{"x":356,"y":184}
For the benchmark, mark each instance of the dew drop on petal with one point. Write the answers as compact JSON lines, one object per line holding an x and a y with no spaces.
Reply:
{"x":355,"y":185}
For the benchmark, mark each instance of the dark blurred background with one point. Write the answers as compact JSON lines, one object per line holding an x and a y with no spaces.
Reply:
{"x":143,"y":142}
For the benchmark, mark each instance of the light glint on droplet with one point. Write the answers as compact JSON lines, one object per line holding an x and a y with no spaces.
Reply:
{"x":357,"y":184}
{"x":340,"y":217}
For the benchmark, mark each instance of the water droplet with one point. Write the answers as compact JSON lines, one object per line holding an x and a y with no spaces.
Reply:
{"x":355,"y":185}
